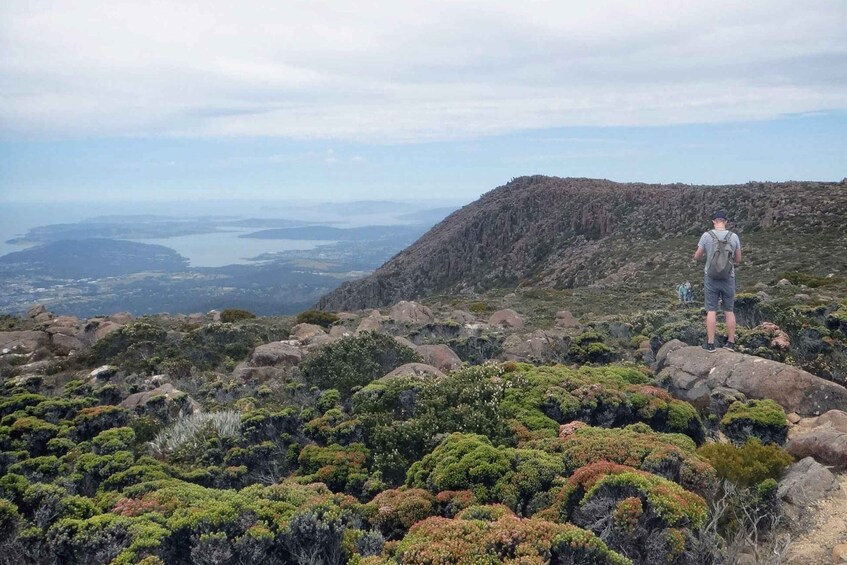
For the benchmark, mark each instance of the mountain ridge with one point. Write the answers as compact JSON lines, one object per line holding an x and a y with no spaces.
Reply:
{"x":572,"y":232}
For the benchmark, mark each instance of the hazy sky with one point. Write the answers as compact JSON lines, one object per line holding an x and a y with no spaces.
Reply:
{"x":349,"y":100}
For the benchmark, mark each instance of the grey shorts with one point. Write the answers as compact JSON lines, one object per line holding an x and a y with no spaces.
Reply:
{"x":723,"y":289}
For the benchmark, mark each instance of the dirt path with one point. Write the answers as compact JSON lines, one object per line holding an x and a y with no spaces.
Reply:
{"x":830,"y":529}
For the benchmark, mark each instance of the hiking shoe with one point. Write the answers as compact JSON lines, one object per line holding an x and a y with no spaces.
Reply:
{"x":730,"y":345}
{"x":710,"y":347}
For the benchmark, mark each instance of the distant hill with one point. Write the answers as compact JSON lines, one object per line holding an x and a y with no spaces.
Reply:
{"x":572,"y":232}
{"x":328,"y":233}
{"x":92,"y":258}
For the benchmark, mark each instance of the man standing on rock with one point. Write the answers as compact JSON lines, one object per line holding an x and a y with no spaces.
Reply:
{"x":722,"y":249}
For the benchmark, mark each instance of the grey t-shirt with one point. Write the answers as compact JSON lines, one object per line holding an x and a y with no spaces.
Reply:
{"x":708,"y":245}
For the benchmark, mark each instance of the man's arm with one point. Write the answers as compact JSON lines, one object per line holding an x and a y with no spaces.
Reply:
{"x":737,"y":250}
{"x":699,"y":253}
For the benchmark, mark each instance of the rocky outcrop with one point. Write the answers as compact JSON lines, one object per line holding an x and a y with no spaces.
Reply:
{"x":417,"y":370}
{"x":412,"y":313}
{"x":692,"y":373}
{"x":371,"y":323}
{"x":22,"y":341}
{"x":541,"y":346}
{"x":166,"y":399}
{"x":573,"y":232}
{"x":439,"y":356}
{"x":564,"y":319}
{"x":506,"y":318}
{"x":824,"y":438}
{"x":276,"y":353}
{"x":305,"y":332}
{"x":803,"y":484}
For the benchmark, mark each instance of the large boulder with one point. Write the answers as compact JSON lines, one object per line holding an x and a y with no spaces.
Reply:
{"x":101,"y":375}
{"x":276,"y":353}
{"x":564,"y":319}
{"x":23,"y":341}
{"x":439,"y":356}
{"x":538,"y":347}
{"x":406,"y":312}
{"x":692,"y":373}
{"x":507,"y":318}
{"x":370,"y":323}
{"x":163,"y":400}
{"x":824,"y":438}
{"x":66,"y":344}
{"x":805,"y":483}
{"x":417,"y":370}
{"x":104,"y":328}
{"x":305,"y":332}
{"x":36,"y":311}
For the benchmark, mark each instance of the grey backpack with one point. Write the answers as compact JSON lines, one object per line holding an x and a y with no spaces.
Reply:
{"x":722,"y":258}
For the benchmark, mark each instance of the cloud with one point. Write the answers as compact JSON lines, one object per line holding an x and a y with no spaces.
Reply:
{"x":410,"y":71}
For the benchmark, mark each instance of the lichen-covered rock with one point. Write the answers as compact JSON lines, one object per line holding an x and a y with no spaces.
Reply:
{"x":65,"y":344}
{"x":403,"y":341}
{"x":276,"y":353}
{"x":439,"y":356}
{"x":406,"y":312}
{"x":762,"y":419}
{"x":507,"y":318}
{"x":564,"y":319}
{"x":824,"y":438}
{"x":803,"y":484}
{"x":541,"y":346}
{"x":101,"y":374}
{"x":692,"y":373}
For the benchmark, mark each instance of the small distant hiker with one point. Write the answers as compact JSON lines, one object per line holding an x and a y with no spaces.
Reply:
{"x":686,"y":295}
{"x":722,"y":249}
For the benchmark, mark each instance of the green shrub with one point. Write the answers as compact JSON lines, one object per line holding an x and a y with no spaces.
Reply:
{"x":187,"y":437}
{"x":395,"y":511}
{"x":231,"y":315}
{"x":494,"y":474}
{"x":812,"y":281}
{"x":478,"y":307}
{"x":317,"y":317}
{"x":748,"y":464}
{"x":762,"y":419}
{"x":507,"y":540}
{"x":671,"y":456}
{"x":355,"y":361}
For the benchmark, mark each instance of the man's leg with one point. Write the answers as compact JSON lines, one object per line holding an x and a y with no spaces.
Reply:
{"x":730,"y":326}
{"x":711,"y":324}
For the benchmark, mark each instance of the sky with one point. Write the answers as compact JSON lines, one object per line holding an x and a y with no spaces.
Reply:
{"x":179,"y":101}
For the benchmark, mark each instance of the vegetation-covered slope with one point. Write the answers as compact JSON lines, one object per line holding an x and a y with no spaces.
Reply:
{"x":564,"y":233}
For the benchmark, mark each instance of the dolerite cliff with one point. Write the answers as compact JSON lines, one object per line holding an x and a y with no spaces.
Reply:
{"x":571,"y":232}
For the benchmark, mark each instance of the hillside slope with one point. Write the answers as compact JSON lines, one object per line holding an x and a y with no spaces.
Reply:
{"x":570,"y":232}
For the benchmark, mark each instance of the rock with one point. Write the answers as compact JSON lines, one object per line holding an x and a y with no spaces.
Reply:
{"x":564,"y":319}
{"x":721,"y":398}
{"x":197,"y":319}
{"x":406,"y":312}
{"x":803,"y":297}
{"x":692,"y":373}
{"x":36,"y":310}
{"x":43,"y":318}
{"x":319,"y":340}
{"x":303,"y":332}
{"x":101,"y":374}
{"x":245,"y":372}
{"x":538,"y":347}
{"x":664,"y":351}
{"x":23,"y":340}
{"x":793,"y":418}
{"x":339,"y":331}
{"x":462,"y":317}
{"x":36,"y":367}
{"x":507,"y":318}
{"x":439,"y":356}
{"x":105,"y":328}
{"x":784,"y":282}
{"x":418,"y":370}
{"x":214,"y":315}
{"x":276,"y":353}
{"x":824,"y":438}
{"x":403,"y":341}
{"x":120,"y":318}
{"x":176,"y":401}
{"x":65,"y":344}
{"x":839,"y":553}
{"x":803,"y":484}
{"x":371,"y":323}
{"x":764,"y":296}
{"x":760,"y":286}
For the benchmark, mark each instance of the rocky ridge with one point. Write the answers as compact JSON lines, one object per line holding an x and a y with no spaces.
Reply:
{"x":564,"y":233}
